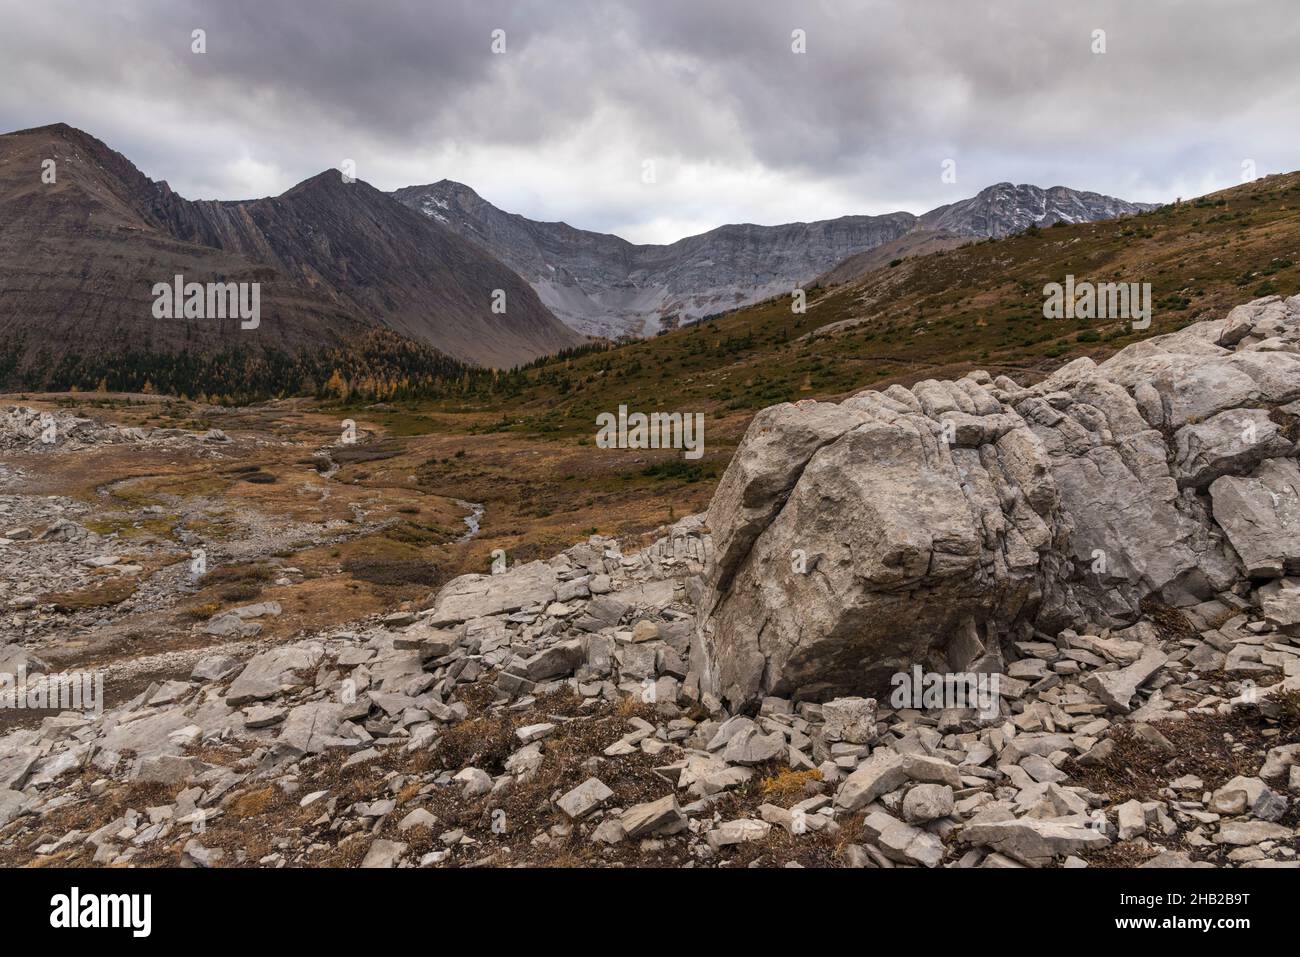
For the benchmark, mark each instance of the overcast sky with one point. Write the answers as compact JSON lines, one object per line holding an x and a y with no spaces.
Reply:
{"x":738,"y":126}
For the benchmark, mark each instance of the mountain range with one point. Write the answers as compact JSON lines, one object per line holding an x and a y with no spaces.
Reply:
{"x":603,"y":285}
{"x":80,"y":255}
{"x":85,"y":236}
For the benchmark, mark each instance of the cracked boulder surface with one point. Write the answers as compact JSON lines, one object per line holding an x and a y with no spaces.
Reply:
{"x":854,"y":539}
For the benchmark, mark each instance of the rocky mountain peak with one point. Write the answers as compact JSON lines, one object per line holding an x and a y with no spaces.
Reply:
{"x":1005,"y":208}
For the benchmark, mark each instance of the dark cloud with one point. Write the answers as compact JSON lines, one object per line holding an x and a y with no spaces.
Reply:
{"x":737,"y":126}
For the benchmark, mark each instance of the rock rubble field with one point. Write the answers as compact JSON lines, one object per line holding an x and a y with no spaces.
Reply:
{"x":1115,"y":550}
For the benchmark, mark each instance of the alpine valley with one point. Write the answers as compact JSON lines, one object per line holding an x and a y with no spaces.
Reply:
{"x":627,"y":574}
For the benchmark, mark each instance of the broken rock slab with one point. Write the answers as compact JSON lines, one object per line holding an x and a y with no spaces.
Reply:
{"x":927,"y":802}
{"x":585,"y":798}
{"x":478,"y":596}
{"x":750,"y":747}
{"x":1243,"y":795}
{"x":214,"y":668}
{"x":1229,"y":443}
{"x":383,"y":854}
{"x":1244,"y":833}
{"x":1117,"y":688}
{"x":1260,"y":513}
{"x":1132,"y":820}
{"x":15,"y":765}
{"x":737,"y":832}
{"x":311,"y":728}
{"x":1280,"y":603}
{"x":1035,"y":842}
{"x":901,"y":842}
{"x":11,"y":805}
{"x":266,"y":673}
{"x":886,"y":771}
{"x":653,"y":816}
{"x":850,"y":719}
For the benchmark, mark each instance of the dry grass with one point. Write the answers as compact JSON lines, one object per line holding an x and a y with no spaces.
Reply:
{"x":788,"y":784}
{"x":237,"y":574}
{"x":250,"y":803}
{"x":1214,"y":748}
{"x":392,"y":571}
{"x":483,"y":742}
{"x":1171,"y":624}
{"x":201,"y":612}
{"x":97,"y":596}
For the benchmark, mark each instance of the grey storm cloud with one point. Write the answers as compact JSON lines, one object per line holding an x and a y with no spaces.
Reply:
{"x":737,"y":126}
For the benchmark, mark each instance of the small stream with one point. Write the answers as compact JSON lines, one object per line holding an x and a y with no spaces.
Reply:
{"x":332,"y":466}
{"x":473,"y":520}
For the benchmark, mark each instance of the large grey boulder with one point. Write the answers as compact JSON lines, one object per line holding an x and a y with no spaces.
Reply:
{"x":776,"y":449}
{"x":854,"y":540}
{"x":880,"y":528}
